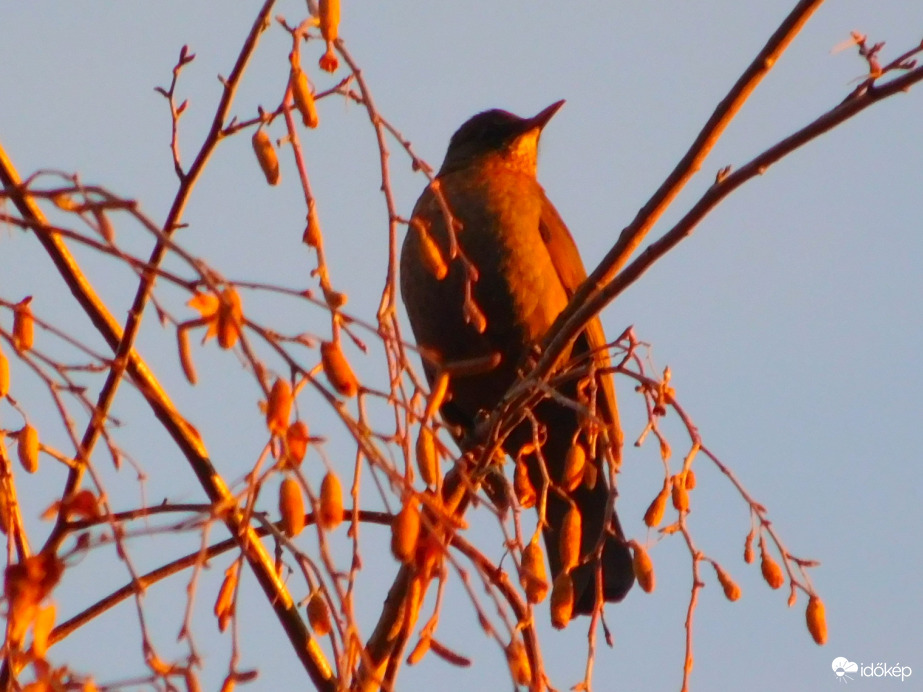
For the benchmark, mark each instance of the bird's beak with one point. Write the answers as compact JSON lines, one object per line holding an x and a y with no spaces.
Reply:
{"x":542,"y":118}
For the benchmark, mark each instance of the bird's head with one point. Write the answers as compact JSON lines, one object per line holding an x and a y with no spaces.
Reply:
{"x":498,"y":133}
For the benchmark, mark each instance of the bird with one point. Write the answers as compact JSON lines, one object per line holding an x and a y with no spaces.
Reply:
{"x":481,"y":299}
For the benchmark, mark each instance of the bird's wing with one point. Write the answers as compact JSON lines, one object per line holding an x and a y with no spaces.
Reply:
{"x":567,"y":263}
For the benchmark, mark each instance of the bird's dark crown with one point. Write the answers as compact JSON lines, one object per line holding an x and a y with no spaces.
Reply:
{"x":491,"y":131}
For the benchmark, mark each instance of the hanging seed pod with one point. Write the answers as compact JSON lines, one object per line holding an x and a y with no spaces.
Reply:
{"x":329,"y":11}
{"x":296,"y":443}
{"x":772,"y":573}
{"x":749,"y":556}
{"x":522,"y":486}
{"x":642,"y":566}
{"x":817,"y":620}
{"x":224,"y":604}
{"x":266,"y":155}
{"x":303,"y":97}
{"x":562,"y":600}
{"x":680,"y":496}
{"x":291,"y":507}
{"x":430,"y":252}
{"x":533,"y":578}
{"x":28,"y":448}
{"x":405,"y":530}
{"x":4,"y":375}
{"x":279,"y":406}
{"x":230,"y":317}
{"x":337,"y":369}
{"x":427,"y":457}
{"x":185,"y":356}
{"x":518,"y":661}
{"x":574,"y":466}
{"x":319,"y":615}
{"x":731,"y":590}
{"x":654,"y":513}
{"x":331,"y":502}
{"x":569,"y":540}
{"x":23,"y":325}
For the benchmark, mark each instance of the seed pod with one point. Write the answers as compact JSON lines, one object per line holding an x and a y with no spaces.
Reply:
{"x":230,"y":317}
{"x":642,"y":566}
{"x":185,"y":355}
{"x":731,"y":590}
{"x":427,"y":457}
{"x":562,"y":600}
{"x":319,"y":615}
{"x":279,"y":406}
{"x":224,"y":604}
{"x":522,"y":486}
{"x":329,"y":19}
{"x":304,"y":97}
{"x":772,"y":573}
{"x":680,"y":496}
{"x":405,"y":530}
{"x":291,"y":507}
{"x":518,"y":661}
{"x":331,"y":502}
{"x":23,"y":325}
{"x":4,"y":375}
{"x":749,"y":557}
{"x":337,"y":369}
{"x":420,"y":650}
{"x":690,"y":479}
{"x":533,"y":578}
{"x":654,"y":513}
{"x":430,"y":252}
{"x":28,"y":448}
{"x":266,"y":155}
{"x":569,"y":540}
{"x":296,"y":442}
{"x":816,"y":619}
{"x":574,"y":466}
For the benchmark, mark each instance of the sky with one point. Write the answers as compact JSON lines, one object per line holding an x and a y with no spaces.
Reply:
{"x":790,"y":319}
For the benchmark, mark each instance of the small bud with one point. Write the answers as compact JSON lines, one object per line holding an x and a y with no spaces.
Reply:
{"x":185,"y":355}
{"x":303,"y":97}
{"x":731,"y":590}
{"x":328,"y":61}
{"x":266,"y":155}
{"x":319,"y":615}
{"x":28,"y":448}
{"x":574,"y":466}
{"x":23,"y":325}
{"x":427,"y":457}
{"x":654,"y":513}
{"x":405,"y":530}
{"x":817,"y":620}
{"x":569,"y":539}
{"x":642,"y":566}
{"x":518,"y":661}
{"x":772,"y":573}
{"x":337,"y":369}
{"x":291,"y":507}
{"x":749,"y":556}
{"x":296,"y":442}
{"x":279,"y":407}
{"x":331,"y":502}
{"x":522,"y":486}
{"x":533,"y":578}
{"x":312,"y":234}
{"x":562,"y":600}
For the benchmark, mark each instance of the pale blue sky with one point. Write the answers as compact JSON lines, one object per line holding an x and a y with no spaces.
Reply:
{"x":791,"y":319}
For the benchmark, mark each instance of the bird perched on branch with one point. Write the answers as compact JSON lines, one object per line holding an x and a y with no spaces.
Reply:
{"x":480,"y":300}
